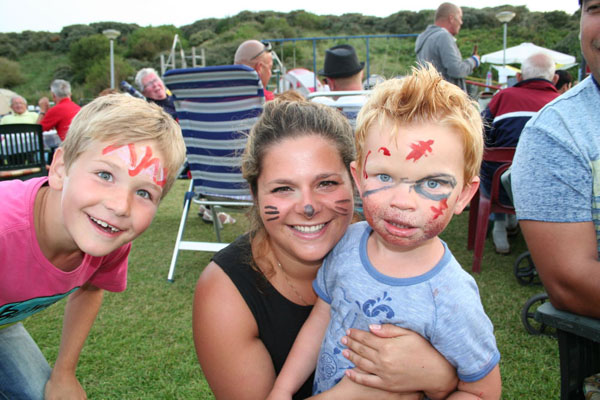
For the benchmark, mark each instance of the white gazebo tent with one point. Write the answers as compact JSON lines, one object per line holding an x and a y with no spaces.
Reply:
{"x":516,"y":55}
{"x":5,"y":96}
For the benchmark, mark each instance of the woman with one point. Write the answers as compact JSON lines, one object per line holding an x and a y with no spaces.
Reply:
{"x":254,"y":296}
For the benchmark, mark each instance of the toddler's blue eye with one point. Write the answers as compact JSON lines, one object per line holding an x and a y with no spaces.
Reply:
{"x":432,"y":184}
{"x":384,"y":178}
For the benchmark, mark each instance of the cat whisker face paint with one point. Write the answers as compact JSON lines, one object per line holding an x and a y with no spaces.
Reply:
{"x":271,"y":212}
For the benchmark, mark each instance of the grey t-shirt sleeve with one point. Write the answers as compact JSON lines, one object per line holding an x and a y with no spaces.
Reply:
{"x":551,"y":180}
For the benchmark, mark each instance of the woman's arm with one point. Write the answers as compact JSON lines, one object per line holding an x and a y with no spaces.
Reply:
{"x":398,"y":360}
{"x":302,"y":359}
{"x":234,"y":360}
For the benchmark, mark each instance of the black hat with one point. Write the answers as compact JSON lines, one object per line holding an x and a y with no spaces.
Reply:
{"x":340,"y":62}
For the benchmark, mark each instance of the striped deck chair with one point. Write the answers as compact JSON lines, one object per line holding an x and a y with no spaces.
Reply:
{"x":216,"y":107}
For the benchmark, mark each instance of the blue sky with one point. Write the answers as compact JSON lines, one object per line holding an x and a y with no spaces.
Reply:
{"x":44,"y":15}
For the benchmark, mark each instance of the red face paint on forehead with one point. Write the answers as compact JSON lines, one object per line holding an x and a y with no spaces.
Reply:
{"x":147,"y":164}
{"x":440,"y":211}
{"x":419,"y":150}
{"x":365,"y":165}
{"x":385,"y":151}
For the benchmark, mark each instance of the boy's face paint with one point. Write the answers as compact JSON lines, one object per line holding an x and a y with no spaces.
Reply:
{"x":109,"y":194}
{"x":304,"y":193}
{"x":147,"y":164}
{"x":410,"y":191}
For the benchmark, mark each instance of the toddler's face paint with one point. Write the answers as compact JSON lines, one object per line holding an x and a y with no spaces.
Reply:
{"x":385,"y":151}
{"x":419,"y":150}
{"x":365,"y":166}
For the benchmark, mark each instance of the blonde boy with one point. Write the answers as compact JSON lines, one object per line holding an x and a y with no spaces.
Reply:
{"x":70,"y":233}
{"x":419,"y":148}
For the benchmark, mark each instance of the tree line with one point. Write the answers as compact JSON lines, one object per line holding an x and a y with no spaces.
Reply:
{"x":80,"y":53}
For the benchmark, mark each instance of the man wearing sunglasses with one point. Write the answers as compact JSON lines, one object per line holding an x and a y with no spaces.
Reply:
{"x":257,"y":55}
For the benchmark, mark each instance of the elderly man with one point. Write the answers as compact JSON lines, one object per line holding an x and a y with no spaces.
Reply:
{"x":505,"y":116}
{"x":437,"y":45}
{"x":556,"y":184}
{"x":20,"y":114}
{"x":258,"y":56}
{"x":153,"y":88}
{"x":58,"y":117}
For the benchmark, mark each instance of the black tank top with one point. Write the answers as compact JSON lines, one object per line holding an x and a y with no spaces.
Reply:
{"x":279,"y":320}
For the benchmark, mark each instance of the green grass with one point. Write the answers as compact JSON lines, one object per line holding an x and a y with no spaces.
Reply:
{"x":141,"y":344}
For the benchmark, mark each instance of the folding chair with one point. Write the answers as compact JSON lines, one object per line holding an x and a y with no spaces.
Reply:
{"x":348,"y":102}
{"x":216,"y":107}
{"x":481,"y":206}
{"x":21,"y":151}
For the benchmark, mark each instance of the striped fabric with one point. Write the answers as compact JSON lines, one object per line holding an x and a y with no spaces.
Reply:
{"x":21,"y":151}
{"x":216,"y":107}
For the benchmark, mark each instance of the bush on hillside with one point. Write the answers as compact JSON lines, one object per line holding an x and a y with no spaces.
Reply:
{"x":10,"y":73}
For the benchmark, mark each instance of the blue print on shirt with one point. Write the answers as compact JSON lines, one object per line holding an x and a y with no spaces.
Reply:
{"x":373,"y":307}
{"x":15,"y":312}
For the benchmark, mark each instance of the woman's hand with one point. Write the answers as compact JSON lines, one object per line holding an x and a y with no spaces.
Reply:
{"x":398,"y":360}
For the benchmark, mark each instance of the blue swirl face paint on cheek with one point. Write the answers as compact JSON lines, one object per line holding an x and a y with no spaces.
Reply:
{"x":370,"y":192}
{"x":437,"y":197}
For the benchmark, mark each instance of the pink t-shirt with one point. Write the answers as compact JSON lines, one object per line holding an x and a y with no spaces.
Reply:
{"x":28,"y":281}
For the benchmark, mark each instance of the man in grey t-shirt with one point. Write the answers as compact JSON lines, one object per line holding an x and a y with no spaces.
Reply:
{"x":556,"y":184}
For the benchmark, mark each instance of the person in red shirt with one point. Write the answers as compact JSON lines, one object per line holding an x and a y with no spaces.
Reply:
{"x":58,"y":117}
{"x":257,"y":55}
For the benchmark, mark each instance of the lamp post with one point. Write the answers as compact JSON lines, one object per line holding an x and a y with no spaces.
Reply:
{"x":505,"y":17}
{"x":111,"y":34}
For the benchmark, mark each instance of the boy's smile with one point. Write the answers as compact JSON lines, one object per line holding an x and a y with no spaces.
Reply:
{"x":411,"y":183}
{"x":109,"y":195}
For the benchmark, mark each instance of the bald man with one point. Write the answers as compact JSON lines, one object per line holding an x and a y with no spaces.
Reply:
{"x":437,"y":45}
{"x":258,"y":56}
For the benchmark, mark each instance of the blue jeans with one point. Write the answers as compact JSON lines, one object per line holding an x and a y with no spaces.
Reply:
{"x":24,"y":370}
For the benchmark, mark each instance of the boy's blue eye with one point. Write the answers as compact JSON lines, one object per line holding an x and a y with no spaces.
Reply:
{"x":144,"y":194}
{"x":107,"y":176}
{"x":385,"y":178}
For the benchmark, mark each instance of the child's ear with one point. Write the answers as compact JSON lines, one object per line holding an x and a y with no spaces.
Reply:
{"x":58,"y":171}
{"x":355,"y":177}
{"x":467,"y":193}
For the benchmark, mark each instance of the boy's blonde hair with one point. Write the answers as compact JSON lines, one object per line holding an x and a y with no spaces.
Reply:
{"x":120,"y":119}
{"x":424,"y":97}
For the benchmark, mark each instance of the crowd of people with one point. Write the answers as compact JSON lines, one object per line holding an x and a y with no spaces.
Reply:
{"x":310,"y":303}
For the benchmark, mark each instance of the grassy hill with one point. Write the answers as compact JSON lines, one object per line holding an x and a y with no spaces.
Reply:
{"x":79,"y":53}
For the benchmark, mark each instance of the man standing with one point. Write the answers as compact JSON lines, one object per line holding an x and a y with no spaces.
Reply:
{"x":257,"y":55}
{"x":153,"y":88}
{"x":504,"y":119}
{"x":556,"y":184}
{"x":58,"y":117}
{"x":20,"y":114}
{"x":437,"y":45}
